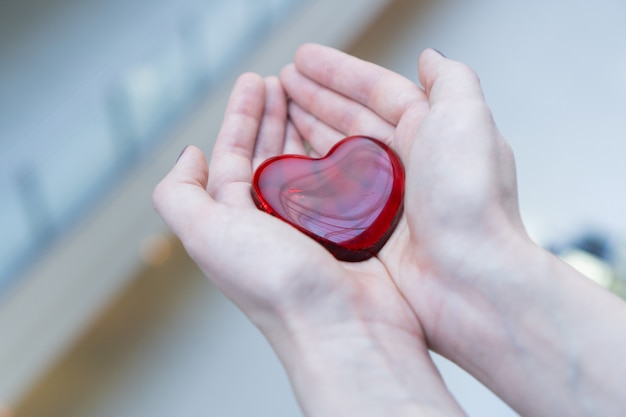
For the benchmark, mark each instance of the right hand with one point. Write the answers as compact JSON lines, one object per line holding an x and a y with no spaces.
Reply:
{"x":487,"y":296}
{"x":461,"y":208}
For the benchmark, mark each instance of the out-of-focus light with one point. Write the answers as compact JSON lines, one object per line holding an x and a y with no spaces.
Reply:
{"x":154,"y":250}
{"x":591,"y":266}
{"x":620,"y":269}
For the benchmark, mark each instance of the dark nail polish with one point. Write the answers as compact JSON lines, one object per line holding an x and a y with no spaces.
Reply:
{"x":182,"y":152}
{"x":439,"y":52}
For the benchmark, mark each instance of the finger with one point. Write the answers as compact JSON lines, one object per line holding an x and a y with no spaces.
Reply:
{"x":318,"y":134}
{"x":342,"y":113}
{"x":181,"y":195}
{"x":383,"y":91}
{"x":231,"y":161}
{"x":271,"y":137}
{"x":454,"y":89}
{"x":294,"y":144}
{"x":447,"y":80}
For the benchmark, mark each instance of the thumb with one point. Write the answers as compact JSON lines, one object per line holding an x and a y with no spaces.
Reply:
{"x":444,"y":79}
{"x":181,"y":196}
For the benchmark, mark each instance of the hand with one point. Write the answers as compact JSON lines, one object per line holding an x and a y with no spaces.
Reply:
{"x":460,"y":201}
{"x":487,"y":297}
{"x":349,"y":341}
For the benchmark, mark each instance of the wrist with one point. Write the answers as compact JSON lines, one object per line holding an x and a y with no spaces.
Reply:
{"x":360,"y":368}
{"x":532,"y":317}
{"x":471,"y":289}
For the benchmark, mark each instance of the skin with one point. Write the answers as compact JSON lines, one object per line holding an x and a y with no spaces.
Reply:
{"x":459,"y":275}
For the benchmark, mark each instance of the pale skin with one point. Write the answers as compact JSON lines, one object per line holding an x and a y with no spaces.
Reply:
{"x":459,"y":275}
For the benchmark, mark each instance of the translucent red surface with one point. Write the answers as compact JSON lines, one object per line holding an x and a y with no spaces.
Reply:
{"x":349,"y":201}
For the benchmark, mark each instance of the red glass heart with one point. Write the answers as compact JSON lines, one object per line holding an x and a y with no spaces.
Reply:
{"x":349,"y":201}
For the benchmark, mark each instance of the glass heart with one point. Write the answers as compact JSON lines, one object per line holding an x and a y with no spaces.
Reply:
{"x":349,"y":201}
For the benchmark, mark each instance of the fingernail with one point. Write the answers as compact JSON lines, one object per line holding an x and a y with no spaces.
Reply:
{"x":439,"y":52}
{"x":181,"y":153}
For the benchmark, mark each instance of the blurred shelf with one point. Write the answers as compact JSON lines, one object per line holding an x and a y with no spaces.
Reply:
{"x":88,"y":265}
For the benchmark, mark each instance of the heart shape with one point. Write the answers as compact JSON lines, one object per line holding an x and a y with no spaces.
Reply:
{"x":349,"y":201}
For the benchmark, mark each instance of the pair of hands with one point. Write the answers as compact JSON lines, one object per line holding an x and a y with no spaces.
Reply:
{"x":354,"y":337}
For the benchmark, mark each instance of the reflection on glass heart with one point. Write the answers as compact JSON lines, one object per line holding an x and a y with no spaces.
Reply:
{"x":349,"y":201}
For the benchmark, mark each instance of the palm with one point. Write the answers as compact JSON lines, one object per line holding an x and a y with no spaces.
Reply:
{"x":328,"y":104}
{"x":460,"y":186}
{"x":335,"y":95}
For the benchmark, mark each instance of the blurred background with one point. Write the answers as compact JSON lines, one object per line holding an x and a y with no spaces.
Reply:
{"x":102,"y":313}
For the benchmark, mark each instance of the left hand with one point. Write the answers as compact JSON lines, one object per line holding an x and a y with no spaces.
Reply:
{"x":348,"y":339}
